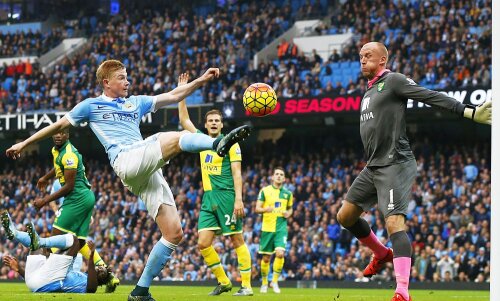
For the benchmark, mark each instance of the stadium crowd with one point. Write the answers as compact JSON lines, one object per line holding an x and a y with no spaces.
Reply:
{"x":30,"y":43}
{"x":440,"y":45}
{"x":448,"y":217}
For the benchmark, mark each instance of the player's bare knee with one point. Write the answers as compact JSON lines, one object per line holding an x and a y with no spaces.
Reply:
{"x":202,"y":245}
{"x":342,"y":218}
{"x":266,"y":258}
{"x":237,"y":240}
{"x":174,"y":237}
{"x":280,"y":254}
{"x":395,"y":223}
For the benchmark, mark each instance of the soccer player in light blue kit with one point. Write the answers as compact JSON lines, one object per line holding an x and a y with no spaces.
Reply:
{"x":115,"y":119}
{"x":47,"y":272}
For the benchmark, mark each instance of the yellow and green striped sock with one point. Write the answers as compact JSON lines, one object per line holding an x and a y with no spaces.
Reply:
{"x":277,"y":267}
{"x":213,"y":262}
{"x":245,"y":263}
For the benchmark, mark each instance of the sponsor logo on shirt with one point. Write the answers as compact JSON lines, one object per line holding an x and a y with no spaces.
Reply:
{"x":209,"y":158}
{"x":277,"y":204}
{"x":70,"y":162}
{"x":365,"y":104}
{"x":116,"y":116}
{"x":238,"y":151}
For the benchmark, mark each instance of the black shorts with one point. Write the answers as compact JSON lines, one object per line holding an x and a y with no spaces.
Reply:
{"x":387,"y":186}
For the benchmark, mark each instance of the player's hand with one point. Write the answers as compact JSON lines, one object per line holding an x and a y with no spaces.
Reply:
{"x":42,"y":184}
{"x":14,"y":151}
{"x":286,"y":214}
{"x":39,"y":203}
{"x":239,"y":210}
{"x":182,"y":79}
{"x":91,"y":245}
{"x":483,"y":113}
{"x":210,"y":74}
{"x":11,"y":262}
{"x":269,"y":209}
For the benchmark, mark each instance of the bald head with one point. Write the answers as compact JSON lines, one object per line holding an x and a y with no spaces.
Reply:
{"x":373,"y":57}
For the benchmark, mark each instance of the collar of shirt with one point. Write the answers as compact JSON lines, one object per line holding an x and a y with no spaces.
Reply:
{"x":379,"y":75}
{"x":107,"y":98}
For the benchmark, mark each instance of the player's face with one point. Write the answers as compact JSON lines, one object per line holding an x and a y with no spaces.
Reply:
{"x":278,"y":177}
{"x":213,"y":124}
{"x":118,"y":84}
{"x":371,"y":60}
{"x":102,"y":275}
{"x":60,"y":138}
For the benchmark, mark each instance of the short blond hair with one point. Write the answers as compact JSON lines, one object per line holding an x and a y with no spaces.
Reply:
{"x":106,"y":70}
{"x":213,"y":112}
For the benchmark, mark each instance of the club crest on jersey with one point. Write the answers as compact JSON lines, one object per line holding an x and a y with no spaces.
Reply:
{"x":380,"y":86}
{"x":128,"y":106}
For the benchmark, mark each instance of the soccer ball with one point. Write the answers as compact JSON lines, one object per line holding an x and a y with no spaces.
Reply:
{"x":259,"y":99}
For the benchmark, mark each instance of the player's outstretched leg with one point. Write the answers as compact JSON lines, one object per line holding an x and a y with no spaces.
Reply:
{"x":62,"y":242}
{"x":11,"y":231}
{"x":238,"y":134}
{"x":196,"y":142}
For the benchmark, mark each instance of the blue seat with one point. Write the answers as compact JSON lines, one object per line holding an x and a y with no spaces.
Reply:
{"x":355,"y":65}
{"x":345,"y":65}
{"x":303,"y":74}
{"x":168,"y":33}
{"x":7,"y":83}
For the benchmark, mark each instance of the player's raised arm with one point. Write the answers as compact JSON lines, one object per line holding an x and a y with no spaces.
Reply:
{"x":407,"y":88}
{"x":44,"y":180}
{"x":181,"y":92}
{"x":67,"y":188}
{"x":186,"y":123}
{"x":13,"y":264}
{"x":14,"y":151}
{"x":91,"y":272}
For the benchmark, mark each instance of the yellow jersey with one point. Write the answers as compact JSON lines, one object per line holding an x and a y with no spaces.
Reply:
{"x":216,"y":171}
{"x":281,"y":199}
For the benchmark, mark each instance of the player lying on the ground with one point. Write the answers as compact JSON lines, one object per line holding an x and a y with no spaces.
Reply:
{"x":48,"y":272}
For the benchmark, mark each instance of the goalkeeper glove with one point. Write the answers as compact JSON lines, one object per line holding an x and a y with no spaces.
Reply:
{"x":480,"y":114}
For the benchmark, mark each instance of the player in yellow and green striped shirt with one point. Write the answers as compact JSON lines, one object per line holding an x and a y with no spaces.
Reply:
{"x":275,"y":203}
{"x":222,"y":205}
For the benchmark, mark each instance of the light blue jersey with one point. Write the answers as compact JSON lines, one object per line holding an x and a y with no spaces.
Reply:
{"x":55,"y":187}
{"x":115,"y":122}
{"x":75,"y":282}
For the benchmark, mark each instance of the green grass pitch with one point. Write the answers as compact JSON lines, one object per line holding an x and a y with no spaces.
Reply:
{"x":19,"y":292}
